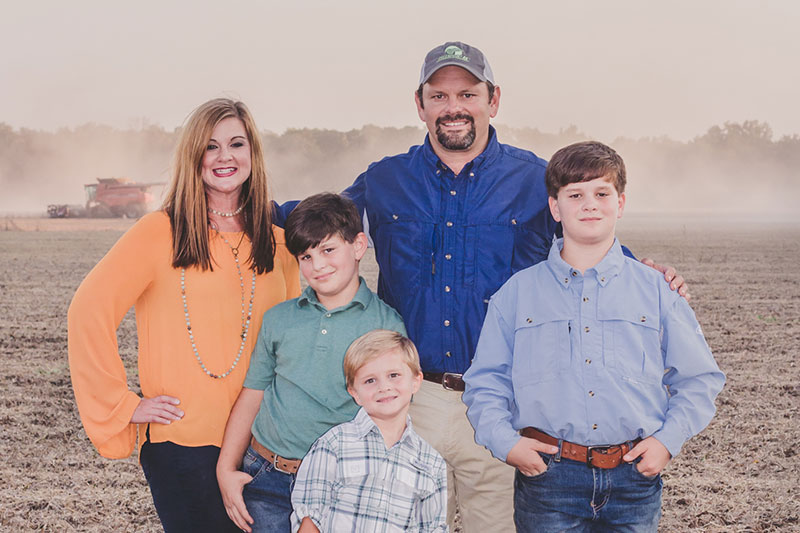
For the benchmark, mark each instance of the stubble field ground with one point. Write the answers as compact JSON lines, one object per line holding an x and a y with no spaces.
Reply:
{"x":740,"y":475}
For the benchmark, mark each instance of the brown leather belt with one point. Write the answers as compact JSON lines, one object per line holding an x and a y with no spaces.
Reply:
{"x":448,"y":380}
{"x":282,"y":464}
{"x":605,"y":457}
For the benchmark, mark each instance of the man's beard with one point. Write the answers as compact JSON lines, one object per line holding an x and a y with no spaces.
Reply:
{"x":456,"y":141}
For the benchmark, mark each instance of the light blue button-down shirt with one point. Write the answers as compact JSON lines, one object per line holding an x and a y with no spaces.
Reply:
{"x":596,"y":358}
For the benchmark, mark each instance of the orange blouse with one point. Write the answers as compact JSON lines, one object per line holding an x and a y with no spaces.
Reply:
{"x":137,"y":271}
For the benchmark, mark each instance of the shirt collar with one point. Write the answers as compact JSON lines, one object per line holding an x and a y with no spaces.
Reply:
{"x":604,"y":271}
{"x":363,"y":297}
{"x":484,"y":158}
{"x":365,"y":425}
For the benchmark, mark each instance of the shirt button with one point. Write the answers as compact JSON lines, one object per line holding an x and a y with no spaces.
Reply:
{"x":438,"y":172}
{"x":588,"y":361}
{"x":328,"y":315}
{"x":452,"y":193}
{"x":586,"y":329}
{"x":448,"y":256}
{"x":644,"y":318}
{"x":528,"y":320}
{"x":394,"y":217}
{"x":585,"y":299}
{"x":448,"y":354}
{"x":324,"y":331}
{"x":566,"y":280}
{"x":446,"y":323}
{"x":513,"y":221}
{"x":449,"y":224}
{"x":447,"y":288}
{"x":591,"y":393}
{"x":603,"y":279}
{"x":574,"y":273}
{"x":594,"y":426}
{"x":471,"y":174}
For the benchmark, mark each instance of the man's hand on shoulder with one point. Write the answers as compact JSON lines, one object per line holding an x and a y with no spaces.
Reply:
{"x":675,"y":280}
{"x":524,"y":456}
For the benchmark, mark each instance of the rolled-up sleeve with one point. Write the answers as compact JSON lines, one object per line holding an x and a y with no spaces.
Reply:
{"x":313,"y":492}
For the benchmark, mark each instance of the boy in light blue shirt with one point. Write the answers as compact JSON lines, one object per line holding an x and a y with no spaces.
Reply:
{"x":590,"y":373}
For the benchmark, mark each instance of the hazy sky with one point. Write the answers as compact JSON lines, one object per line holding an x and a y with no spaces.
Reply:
{"x":632,"y":68}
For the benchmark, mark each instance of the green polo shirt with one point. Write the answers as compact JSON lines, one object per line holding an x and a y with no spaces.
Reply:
{"x":297,"y":362}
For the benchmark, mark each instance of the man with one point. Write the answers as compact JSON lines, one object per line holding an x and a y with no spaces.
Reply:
{"x":451,"y":220}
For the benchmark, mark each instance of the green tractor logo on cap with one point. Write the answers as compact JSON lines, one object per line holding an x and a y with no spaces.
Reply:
{"x":453,"y":52}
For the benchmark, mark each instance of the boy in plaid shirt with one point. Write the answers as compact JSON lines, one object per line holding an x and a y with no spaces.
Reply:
{"x":374,"y":473}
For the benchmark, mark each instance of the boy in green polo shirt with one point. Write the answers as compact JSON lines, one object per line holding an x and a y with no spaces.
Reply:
{"x":295,"y":387}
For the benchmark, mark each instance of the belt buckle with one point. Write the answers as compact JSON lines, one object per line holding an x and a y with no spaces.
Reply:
{"x":276,"y":464}
{"x":445,"y":377}
{"x":601,"y":449}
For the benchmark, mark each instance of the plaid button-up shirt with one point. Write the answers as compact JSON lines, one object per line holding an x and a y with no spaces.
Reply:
{"x":350,"y":482}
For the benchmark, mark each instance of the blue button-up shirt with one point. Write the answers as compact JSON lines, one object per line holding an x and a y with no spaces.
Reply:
{"x":599,"y":358}
{"x":445,"y":243}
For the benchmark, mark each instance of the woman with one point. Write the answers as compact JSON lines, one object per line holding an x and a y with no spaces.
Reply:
{"x":200,"y":272}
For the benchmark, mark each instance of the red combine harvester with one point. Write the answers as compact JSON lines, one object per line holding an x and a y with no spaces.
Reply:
{"x":109,"y":197}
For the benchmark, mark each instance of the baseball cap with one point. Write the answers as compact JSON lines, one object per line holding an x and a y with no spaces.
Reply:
{"x":458,"y":54}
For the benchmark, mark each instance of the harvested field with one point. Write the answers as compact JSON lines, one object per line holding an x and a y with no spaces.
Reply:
{"x":740,"y":475}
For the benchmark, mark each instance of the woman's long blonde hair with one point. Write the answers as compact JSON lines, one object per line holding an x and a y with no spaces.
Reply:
{"x":186,"y":202}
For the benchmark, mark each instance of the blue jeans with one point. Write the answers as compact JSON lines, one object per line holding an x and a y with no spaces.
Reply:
{"x":570,"y":496}
{"x":268,"y":496}
{"x":183,"y":483}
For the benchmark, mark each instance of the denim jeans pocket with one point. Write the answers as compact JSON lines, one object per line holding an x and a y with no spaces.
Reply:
{"x":549,"y":462}
{"x":635,"y":466}
{"x":254,"y":464}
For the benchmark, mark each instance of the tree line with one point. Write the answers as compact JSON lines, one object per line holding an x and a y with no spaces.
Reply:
{"x":731,"y":167}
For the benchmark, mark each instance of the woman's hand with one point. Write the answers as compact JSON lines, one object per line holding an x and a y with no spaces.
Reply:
{"x":160,"y":410}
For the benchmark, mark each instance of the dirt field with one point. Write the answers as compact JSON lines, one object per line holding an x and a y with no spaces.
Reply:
{"x":740,"y":475}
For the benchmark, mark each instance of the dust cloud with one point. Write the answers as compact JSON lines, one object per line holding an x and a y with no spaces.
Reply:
{"x":733,"y":168}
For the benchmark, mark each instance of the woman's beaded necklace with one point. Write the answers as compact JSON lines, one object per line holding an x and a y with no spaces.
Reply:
{"x":245,"y":316}
{"x":223,"y":214}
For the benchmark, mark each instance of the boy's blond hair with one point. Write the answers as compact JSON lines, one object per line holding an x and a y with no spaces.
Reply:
{"x":372,"y":345}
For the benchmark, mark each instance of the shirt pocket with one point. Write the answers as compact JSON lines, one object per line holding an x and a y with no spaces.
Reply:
{"x":633,"y":348}
{"x":403,"y":501}
{"x":372,"y":496}
{"x":542,"y":347}
{"x":489,"y":252}
{"x":405,"y":250}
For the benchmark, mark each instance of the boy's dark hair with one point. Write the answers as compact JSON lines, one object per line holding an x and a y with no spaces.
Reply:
{"x":584,"y":161}
{"x":320,"y":216}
